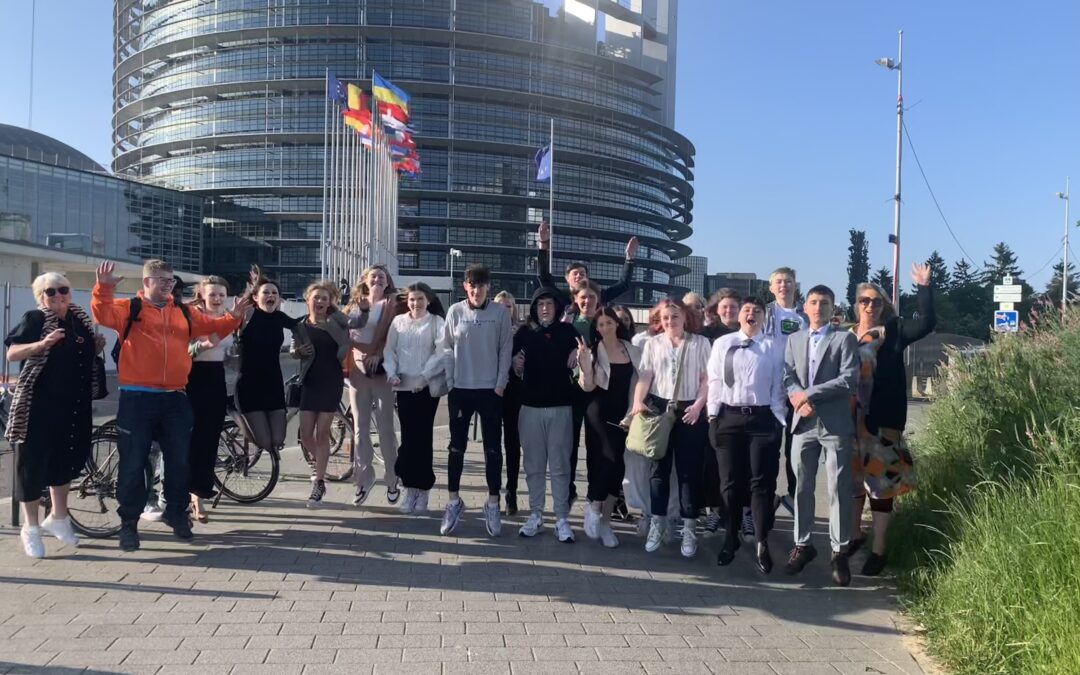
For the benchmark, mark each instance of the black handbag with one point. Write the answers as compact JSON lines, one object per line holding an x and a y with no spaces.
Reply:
{"x":100,"y":388}
{"x":292,"y":395}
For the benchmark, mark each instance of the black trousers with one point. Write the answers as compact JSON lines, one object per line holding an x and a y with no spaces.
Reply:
{"x":686,"y":448}
{"x":511,"y":439}
{"x":416,"y":454}
{"x":578,"y":405}
{"x":711,"y":478}
{"x":463,"y":404}
{"x":206,"y":393}
{"x":747,"y":444}
{"x":605,"y":443}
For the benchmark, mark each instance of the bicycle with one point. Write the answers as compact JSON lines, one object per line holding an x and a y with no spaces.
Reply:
{"x":247,"y":475}
{"x":92,"y":499}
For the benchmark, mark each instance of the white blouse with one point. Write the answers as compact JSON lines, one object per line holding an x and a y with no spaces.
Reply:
{"x":415,"y":349}
{"x":659,"y":358}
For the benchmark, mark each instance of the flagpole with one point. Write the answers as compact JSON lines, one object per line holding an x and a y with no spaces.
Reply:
{"x":325,"y":130}
{"x":551,"y":198}
{"x":335,"y":197}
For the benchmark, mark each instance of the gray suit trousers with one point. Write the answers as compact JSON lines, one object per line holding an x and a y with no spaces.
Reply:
{"x":805,"y":456}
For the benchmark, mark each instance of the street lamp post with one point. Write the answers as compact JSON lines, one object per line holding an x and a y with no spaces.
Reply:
{"x":1065,"y":252}
{"x":454,"y":253}
{"x":896,"y":65}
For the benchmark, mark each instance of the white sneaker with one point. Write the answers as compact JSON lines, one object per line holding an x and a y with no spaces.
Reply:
{"x":657,"y":533}
{"x":563,"y":531}
{"x":689,"y":538}
{"x":592,"y":522}
{"x":421,"y":505}
{"x":493,"y":518}
{"x":409,"y":503}
{"x":61,"y":529}
{"x":533,"y":526}
{"x":451,"y":516}
{"x":151,"y":514}
{"x":607,"y":536}
{"x":31,"y":539}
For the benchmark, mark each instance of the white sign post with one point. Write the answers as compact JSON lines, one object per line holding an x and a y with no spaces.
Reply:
{"x":1007,"y":294}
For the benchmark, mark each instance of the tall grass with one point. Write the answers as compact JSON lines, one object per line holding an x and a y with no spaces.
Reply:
{"x":988,"y":547}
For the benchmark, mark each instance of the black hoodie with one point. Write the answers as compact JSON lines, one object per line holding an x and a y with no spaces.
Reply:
{"x":546,"y":382}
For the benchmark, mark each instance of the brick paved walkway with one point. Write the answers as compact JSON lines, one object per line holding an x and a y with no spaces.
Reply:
{"x":279,"y":588}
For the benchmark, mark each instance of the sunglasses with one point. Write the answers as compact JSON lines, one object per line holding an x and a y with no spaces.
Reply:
{"x":63,"y":290}
{"x":871,"y":302}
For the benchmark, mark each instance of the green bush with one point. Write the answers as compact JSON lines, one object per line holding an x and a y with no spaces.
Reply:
{"x":988,"y":547}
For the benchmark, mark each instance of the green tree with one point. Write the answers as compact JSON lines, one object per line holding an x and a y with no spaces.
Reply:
{"x":858,"y":265}
{"x":1001,"y":264}
{"x":883,"y":278}
{"x":963,"y":274}
{"x":940,"y":279}
{"x":1053,"y":289}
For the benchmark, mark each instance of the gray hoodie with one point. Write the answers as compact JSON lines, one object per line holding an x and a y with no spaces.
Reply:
{"x":478,"y":342}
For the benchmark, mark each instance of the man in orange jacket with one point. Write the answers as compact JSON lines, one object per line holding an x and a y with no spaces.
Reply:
{"x":153,"y":371}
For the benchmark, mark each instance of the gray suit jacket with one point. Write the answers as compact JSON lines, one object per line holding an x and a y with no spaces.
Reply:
{"x":834,"y":383}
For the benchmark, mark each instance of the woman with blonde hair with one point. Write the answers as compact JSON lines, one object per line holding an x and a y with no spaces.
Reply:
{"x":50,"y":417}
{"x":511,"y":410}
{"x":321,"y":342}
{"x":206,"y":393}
{"x":883,"y":465}
{"x":372,"y":306}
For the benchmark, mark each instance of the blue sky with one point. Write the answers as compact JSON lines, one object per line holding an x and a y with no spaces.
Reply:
{"x":793,"y":122}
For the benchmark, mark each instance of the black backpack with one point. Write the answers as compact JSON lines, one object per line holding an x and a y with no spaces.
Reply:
{"x":133,"y":316}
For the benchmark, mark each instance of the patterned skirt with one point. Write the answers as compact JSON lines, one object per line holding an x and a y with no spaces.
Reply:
{"x":883,"y":463}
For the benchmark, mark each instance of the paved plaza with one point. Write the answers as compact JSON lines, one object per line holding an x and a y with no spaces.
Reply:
{"x":276,"y":587}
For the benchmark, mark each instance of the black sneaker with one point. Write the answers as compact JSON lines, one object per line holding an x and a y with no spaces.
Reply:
{"x":129,"y":536}
{"x":874,"y":565}
{"x":318,"y":491}
{"x":511,"y":504}
{"x":841,"y":573}
{"x":393,"y":492}
{"x":181,"y":526}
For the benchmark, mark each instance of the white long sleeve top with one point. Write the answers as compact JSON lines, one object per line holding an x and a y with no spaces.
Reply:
{"x":758,"y":372}
{"x":415,"y":350}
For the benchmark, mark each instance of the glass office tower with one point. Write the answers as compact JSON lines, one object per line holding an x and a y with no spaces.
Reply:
{"x":226,"y":99}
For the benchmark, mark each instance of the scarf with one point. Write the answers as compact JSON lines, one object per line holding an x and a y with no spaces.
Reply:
{"x":21,"y":400}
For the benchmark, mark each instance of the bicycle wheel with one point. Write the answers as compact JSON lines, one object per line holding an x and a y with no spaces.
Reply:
{"x":243,"y":473}
{"x":340,"y":466}
{"x":92,"y":500}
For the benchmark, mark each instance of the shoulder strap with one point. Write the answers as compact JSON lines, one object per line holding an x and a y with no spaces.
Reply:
{"x":678,"y":372}
{"x":133,"y":315}
{"x":186,"y":311}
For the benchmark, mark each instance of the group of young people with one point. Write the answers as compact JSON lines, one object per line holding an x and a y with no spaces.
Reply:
{"x":744,"y":378}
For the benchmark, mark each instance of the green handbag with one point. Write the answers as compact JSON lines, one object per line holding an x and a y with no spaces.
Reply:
{"x":649,"y":433}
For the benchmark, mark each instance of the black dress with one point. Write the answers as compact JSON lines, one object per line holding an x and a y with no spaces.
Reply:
{"x":260,"y":386}
{"x":605,"y":441}
{"x":324,"y":381}
{"x":58,"y":435}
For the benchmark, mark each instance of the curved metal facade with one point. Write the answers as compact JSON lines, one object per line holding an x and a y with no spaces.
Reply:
{"x":226,"y":98}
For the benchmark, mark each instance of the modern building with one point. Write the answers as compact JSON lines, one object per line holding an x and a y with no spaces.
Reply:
{"x":695,"y":278}
{"x":226,"y":100}
{"x":746,"y":283}
{"x":61,"y":211}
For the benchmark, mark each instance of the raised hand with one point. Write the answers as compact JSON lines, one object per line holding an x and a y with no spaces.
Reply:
{"x":543,"y":234}
{"x":106,"y":274}
{"x":241,"y":304}
{"x":631,"y":248}
{"x":584,"y":354}
{"x":920,"y":274}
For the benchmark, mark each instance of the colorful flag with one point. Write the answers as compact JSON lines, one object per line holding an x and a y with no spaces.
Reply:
{"x":391,"y":111}
{"x":357,"y":98}
{"x":386,"y":92}
{"x":543,"y":164}
{"x":359,"y":121}
{"x":335,"y":89}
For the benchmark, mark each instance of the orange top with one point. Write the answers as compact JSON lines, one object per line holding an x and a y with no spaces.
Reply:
{"x":155,"y":354}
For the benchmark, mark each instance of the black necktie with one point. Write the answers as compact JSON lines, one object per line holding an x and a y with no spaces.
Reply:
{"x":729,"y":361}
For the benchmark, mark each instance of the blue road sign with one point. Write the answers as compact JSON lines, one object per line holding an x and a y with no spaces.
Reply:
{"x":1006,"y":321}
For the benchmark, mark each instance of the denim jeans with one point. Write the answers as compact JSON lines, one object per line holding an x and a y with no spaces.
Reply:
{"x":145,"y":417}
{"x":463,"y":404}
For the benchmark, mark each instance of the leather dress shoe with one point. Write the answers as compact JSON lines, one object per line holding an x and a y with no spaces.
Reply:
{"x":727,"y":553}
{"x":764,"y":560}
{"x":800,"y":557}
